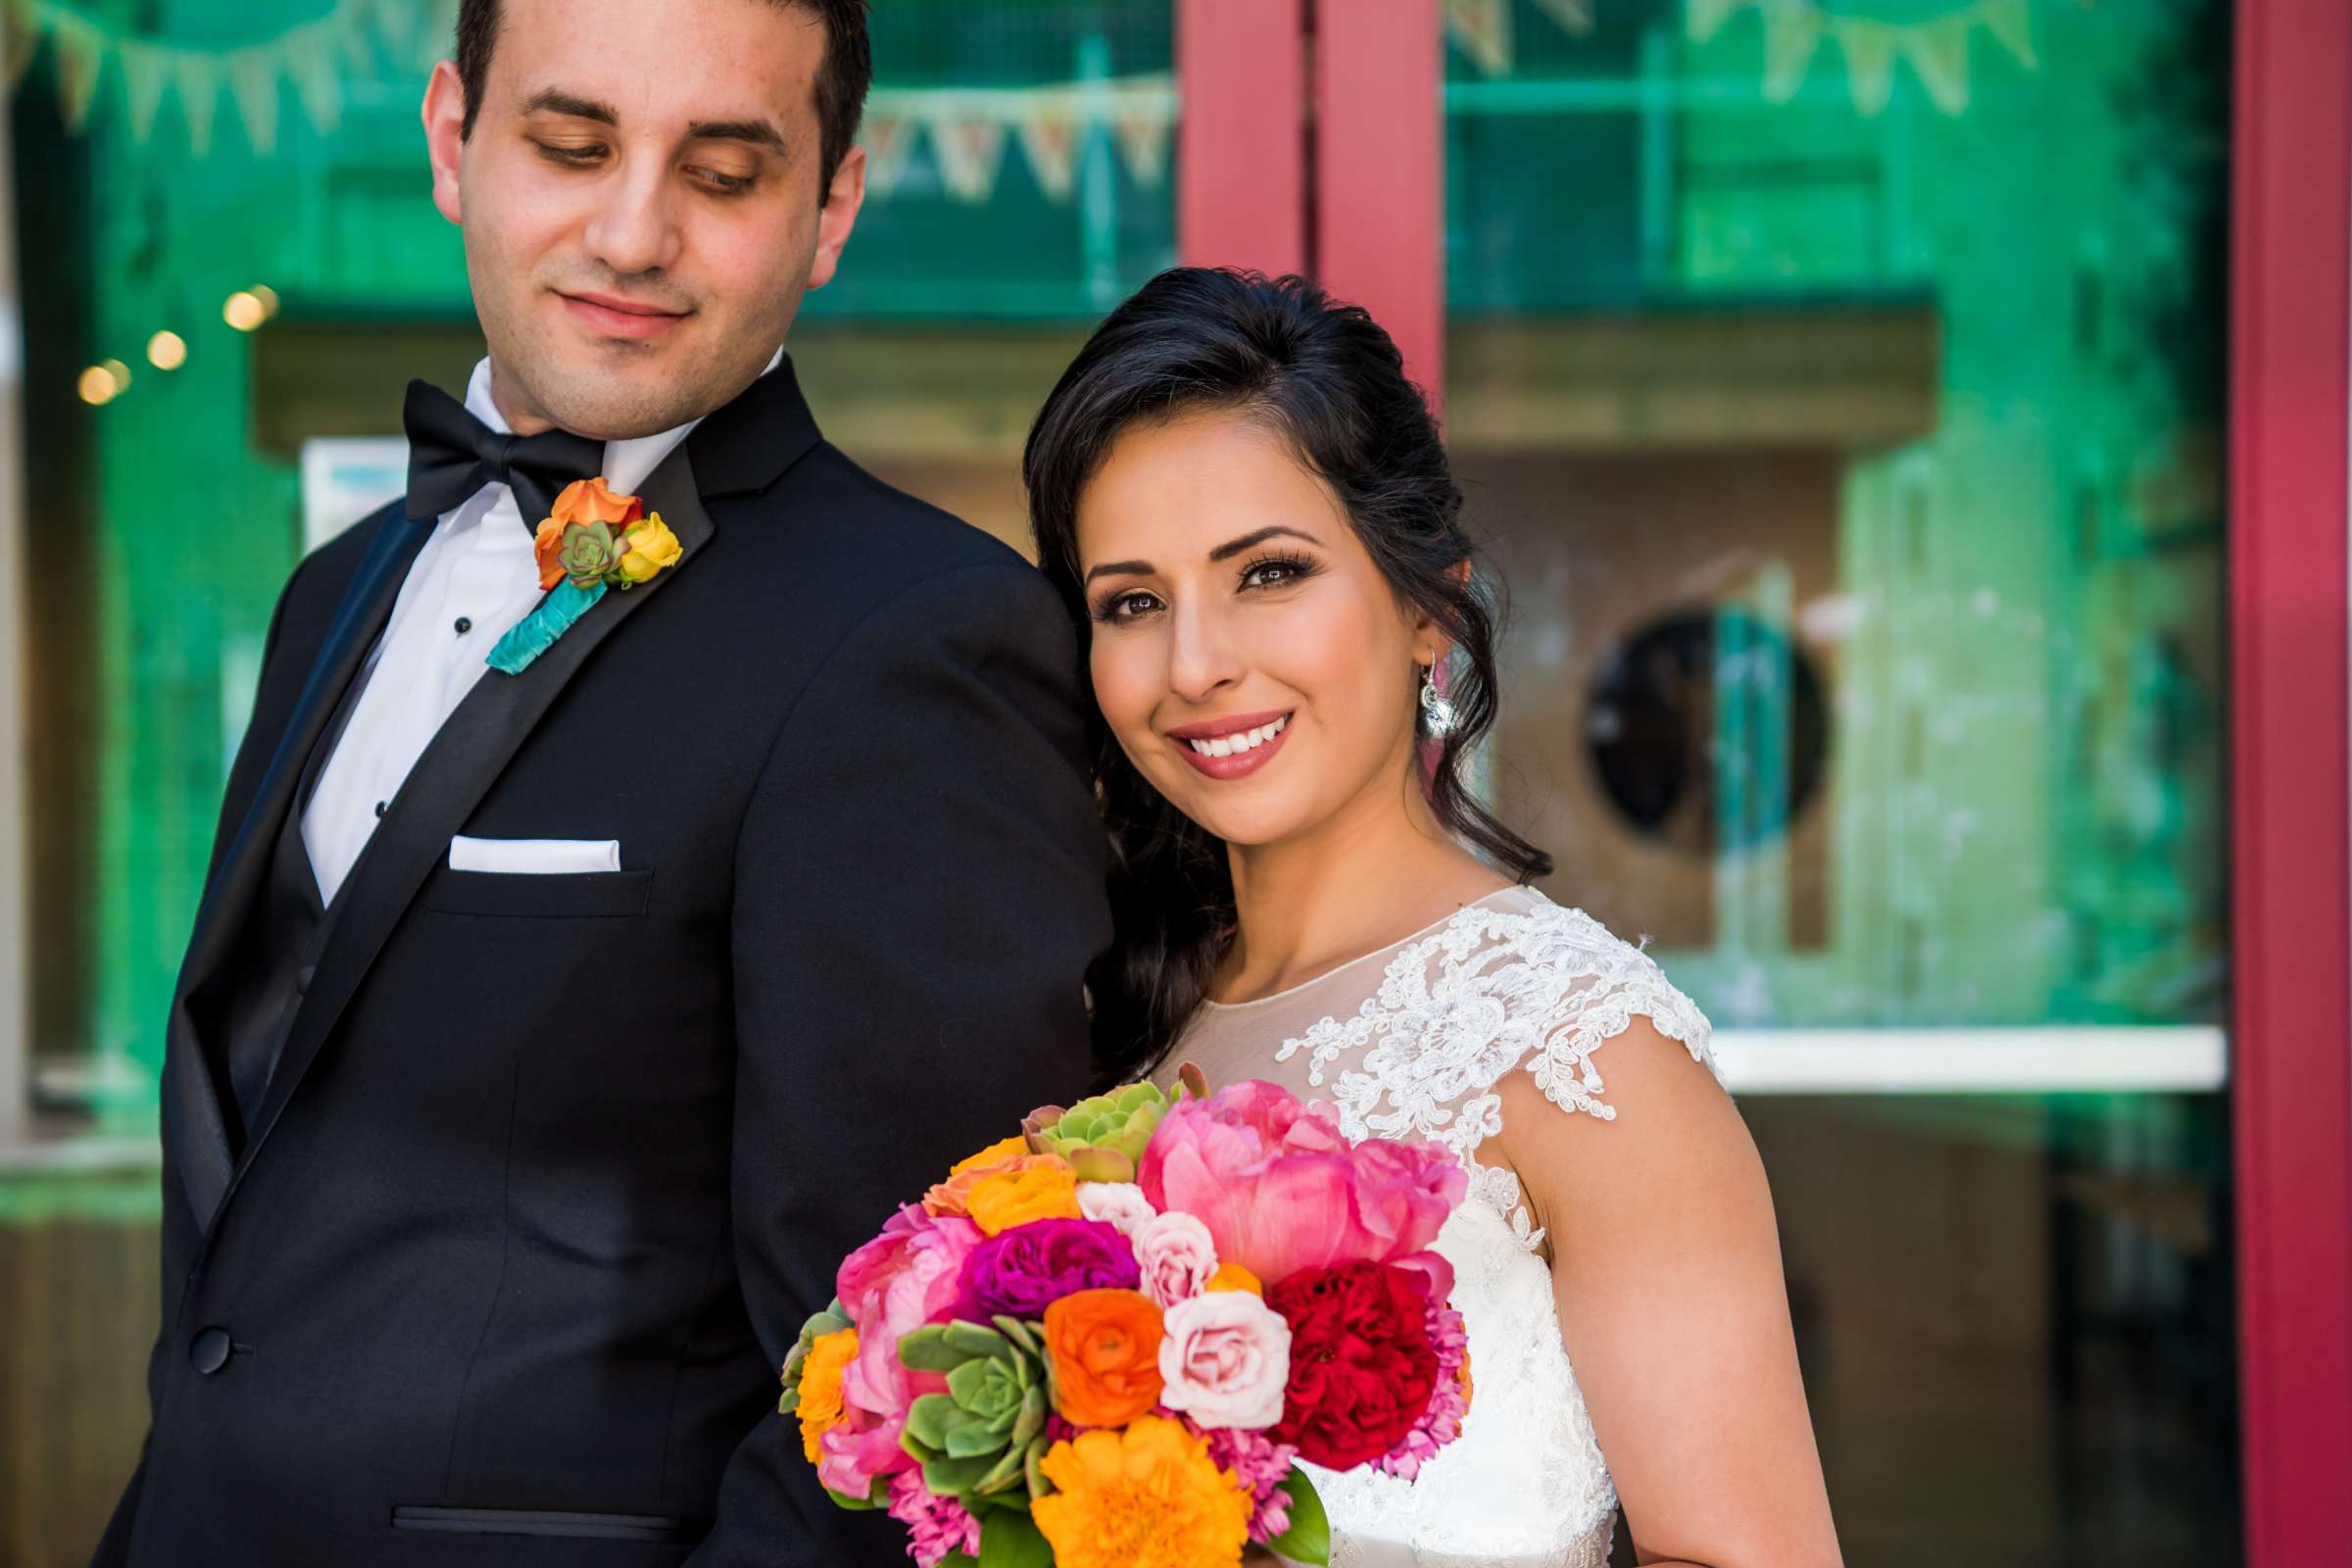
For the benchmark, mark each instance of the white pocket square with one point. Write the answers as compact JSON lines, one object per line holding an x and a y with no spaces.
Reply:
{"x":534,"y":856}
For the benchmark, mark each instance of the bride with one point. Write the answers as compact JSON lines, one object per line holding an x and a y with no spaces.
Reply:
{"x":1248,"y":503}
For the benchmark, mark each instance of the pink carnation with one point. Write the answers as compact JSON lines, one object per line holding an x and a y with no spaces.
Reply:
{"x":903,"y":1279}
{"x":1449,"y":1403}
{"x":936,"y":1527}
{"x":1280,"y":1188}
{"x":1261,"y":1464}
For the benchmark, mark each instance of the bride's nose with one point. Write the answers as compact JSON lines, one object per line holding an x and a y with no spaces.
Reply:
{"x":1202,"y":658}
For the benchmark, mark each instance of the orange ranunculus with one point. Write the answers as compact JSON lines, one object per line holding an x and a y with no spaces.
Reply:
{"x":1038,"y":1187}
{"x":1234,"y":1277}
{"x":590,"y":501}
{"x":1008,"y":1158}
{"x":1148,"y":1497}
{"x":547,"y":547}
{"x":1104,"y":1348}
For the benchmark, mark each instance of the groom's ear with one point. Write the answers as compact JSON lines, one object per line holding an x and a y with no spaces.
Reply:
{"x":843,"y":199}
{"x":445,"y":137}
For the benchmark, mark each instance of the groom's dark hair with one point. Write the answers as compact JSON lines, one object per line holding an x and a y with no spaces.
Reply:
{"x":841,"y":81}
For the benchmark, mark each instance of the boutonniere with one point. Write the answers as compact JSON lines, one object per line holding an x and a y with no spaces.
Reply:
{"x":593,"y":541}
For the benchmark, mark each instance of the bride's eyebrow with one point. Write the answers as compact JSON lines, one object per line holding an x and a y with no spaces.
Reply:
{"x":1234,"y":547}
{"x":1120,"y":568}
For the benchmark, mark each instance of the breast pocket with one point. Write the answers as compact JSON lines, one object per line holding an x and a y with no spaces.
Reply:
{"x":580,"y":896}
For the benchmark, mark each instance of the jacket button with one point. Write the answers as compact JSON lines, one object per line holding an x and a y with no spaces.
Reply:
{"x":208,"y":1351}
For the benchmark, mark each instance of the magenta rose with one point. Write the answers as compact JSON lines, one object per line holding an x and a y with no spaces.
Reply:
{"x":1021,"y":1271}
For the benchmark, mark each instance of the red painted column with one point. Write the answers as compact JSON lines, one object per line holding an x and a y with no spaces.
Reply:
{"x":1380,"y":170}
{"x":1241,"y":140}
{"x":2292,"y":799}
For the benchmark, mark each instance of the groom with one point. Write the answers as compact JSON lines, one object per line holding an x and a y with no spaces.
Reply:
{"x":547,"y":1039}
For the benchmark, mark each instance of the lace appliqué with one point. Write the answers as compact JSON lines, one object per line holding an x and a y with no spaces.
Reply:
{"x":1483,"y":995}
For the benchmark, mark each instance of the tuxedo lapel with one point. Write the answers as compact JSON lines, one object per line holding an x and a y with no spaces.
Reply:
{"x":449,"y":780}
{"x":192,"y":1092}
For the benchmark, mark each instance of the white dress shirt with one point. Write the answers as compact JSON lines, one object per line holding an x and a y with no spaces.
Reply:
{"x":472,"y":582}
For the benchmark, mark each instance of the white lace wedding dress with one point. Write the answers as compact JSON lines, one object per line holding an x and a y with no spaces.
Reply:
{"x":1412,"y":1041}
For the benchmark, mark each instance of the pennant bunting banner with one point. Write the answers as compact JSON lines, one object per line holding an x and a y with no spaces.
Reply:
{"x":969,"y":131}
{"x":1481,"y":28}
{"x":966,"y":130}
{"x":1936,"y":47}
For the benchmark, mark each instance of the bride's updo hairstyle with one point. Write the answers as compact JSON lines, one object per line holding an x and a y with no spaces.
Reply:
{"x":1328,"y":381}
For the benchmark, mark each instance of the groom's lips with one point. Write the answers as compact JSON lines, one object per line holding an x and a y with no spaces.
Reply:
{"x":611,"y":316}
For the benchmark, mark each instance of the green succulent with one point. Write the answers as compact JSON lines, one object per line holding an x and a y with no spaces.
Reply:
{"x":832,"y":1320}
{"x":984,"y":1436}
{"x":1103,"y":1136}
{"x":589,"y":553}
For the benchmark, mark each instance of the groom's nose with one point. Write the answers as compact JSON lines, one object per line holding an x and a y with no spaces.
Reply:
{"x":634,"y":228}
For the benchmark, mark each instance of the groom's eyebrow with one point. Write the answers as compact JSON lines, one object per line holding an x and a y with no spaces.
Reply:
{"x":758,"y":132}
{"x":550,"y":100}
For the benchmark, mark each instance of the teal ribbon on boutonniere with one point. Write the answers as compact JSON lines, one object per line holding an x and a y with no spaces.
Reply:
{"x":592,"y":542}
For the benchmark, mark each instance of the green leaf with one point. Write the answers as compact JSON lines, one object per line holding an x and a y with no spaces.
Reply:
{"x":861,"y":1504}
{"x":931,"y":1418}
{"x":790,"y":1404}
{"x":956,"y":1559}
{"x":1309,"y":1539}
{"x":1031,"y":1458}
{"x":1009,"y":1540}
{"x":1021,"y":1334}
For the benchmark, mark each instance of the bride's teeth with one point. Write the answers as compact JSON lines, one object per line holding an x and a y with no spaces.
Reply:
{"x":1247,"y":740}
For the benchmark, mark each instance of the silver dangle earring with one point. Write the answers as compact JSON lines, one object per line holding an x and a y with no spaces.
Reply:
{"x":1437,"y":713}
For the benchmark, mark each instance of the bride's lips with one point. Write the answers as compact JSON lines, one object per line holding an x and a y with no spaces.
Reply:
{"x":610,"y":315}
{"x":1235,"y":764}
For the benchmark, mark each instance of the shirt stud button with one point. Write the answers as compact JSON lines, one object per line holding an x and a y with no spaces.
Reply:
{"x":379,"y":807}
{"x":464,"y":624}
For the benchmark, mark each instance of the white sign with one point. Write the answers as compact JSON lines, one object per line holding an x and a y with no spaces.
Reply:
{"x":344,"y":478}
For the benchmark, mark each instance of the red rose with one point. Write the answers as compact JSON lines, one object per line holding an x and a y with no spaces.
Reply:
{"x":1363,"y":1368}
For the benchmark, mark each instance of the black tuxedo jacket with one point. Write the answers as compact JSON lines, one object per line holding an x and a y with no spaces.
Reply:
{"x":552,"y":1167}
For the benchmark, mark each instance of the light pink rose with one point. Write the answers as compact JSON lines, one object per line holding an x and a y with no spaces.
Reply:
{"x":1121,"y":1205}
{"x":1280,"y":1188}
{"x":1225,"y":1362}
{"x":903,"y":1279}
{"x":1177,"y":1257}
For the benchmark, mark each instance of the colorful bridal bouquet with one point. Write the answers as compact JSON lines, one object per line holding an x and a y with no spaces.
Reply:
{"x":1105,"y":1343}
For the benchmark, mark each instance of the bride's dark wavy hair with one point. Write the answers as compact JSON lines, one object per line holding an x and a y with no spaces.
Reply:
{"x":1329,"y":382}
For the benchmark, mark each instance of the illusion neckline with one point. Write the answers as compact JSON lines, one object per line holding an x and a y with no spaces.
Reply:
{"x":1208,"y":1004}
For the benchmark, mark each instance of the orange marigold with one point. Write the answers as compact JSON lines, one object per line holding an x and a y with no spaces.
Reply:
{"x":1148,"y":1496}
{"x":1040,"y":1187}
{"x":829,"y":1356}
{"x":1104,"y":1350}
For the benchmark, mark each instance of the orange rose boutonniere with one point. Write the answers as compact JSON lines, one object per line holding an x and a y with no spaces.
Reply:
{"x":595,"y":539}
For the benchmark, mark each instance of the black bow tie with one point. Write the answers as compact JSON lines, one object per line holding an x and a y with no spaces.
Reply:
{"x":451,"y":455}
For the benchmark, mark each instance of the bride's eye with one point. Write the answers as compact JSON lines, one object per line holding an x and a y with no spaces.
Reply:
{"x":1276,"y":571}
{"x":1118,"y":609}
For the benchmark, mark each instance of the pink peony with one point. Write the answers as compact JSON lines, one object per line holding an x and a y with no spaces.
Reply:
{"x":1280,"y":1188}
{"x":1176,"y":1257}
{"x":906,"y":1277}
{"x":937,"y":1527}
{"x":1225,"y":1362}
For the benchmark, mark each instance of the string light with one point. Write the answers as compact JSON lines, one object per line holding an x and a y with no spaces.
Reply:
{"x":244,"y":310}
{"x":118,"y":373}
{"x":96,"y":386}
{"x":166,"y":350}
{"x":268,"y":298}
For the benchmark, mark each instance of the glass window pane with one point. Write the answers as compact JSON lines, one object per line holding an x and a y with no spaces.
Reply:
{"x":1840,"y":384}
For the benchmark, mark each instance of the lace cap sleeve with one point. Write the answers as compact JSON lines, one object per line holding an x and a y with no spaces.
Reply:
{"x":1490,"y":992}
